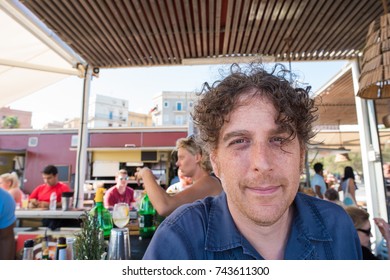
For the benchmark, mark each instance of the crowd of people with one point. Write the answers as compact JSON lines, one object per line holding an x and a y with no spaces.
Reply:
{"x":238,"y":193}
{"x":360,"y":217}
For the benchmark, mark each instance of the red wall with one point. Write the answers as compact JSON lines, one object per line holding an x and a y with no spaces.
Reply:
{"x":54,"y":148}
{"x":140,"y":139}
{"x":51,"y":149}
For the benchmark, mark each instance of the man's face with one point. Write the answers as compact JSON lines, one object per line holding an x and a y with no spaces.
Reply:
{"x":50,"y":179}
{"x":122,"y":179}
{"x":260,"y":179}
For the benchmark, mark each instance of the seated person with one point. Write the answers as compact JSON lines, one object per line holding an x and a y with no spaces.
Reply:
{"x":194,"y":163}
{"x":7,"y":224}
{"x":10,"y":182}
{"x":184,"y":182}
{"x":362,"y":224}
{"x":40,"y":196}
{"x":332,"y":195}
{"x":255,"y":126}
{"x":120,"y":192}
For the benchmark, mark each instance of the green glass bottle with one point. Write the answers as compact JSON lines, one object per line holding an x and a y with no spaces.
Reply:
{"x":146,"y":216}
{"x":103,"y":215}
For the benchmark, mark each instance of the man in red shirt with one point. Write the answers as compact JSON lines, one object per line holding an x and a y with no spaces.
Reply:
{"x":120,"y":192}
{"x":40,"y":197}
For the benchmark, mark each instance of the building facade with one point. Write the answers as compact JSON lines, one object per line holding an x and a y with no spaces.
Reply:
{"x":139,"y":120}
{"x":106,"y":111}
{"x":173,"y":108}
{"x":23,"y":117}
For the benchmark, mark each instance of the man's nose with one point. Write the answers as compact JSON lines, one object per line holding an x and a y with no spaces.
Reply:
{"x":261,"y":157}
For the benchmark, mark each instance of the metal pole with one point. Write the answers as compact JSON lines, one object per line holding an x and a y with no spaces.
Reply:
{"x":81,"y":160}
{"x":371,"y":155}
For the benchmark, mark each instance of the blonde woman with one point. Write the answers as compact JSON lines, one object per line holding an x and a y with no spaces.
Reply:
{"x":10,"y":182}
{"x":362,"y":224}
{"x":194,"y":163}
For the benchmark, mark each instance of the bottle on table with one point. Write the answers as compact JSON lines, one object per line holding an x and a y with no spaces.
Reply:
{"x":103,"y":215}
{"x":69,"y":248}
{"x":53,"y":201}
{"x":45,"y":250}
{"x":28,"y":250}
{"x":146,"y":218}
{"x":45,"y":254}
{"x":61,"y":249}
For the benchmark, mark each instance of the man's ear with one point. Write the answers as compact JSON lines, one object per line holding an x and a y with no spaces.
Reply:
{"x":214,"y":162}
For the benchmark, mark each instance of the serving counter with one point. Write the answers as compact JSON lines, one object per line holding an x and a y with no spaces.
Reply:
{"x":48,"y":214}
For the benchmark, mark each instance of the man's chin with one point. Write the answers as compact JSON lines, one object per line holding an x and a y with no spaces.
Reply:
{"x":266,"y":214}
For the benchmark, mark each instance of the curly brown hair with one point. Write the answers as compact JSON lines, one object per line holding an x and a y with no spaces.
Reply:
{"x":217,"y":102}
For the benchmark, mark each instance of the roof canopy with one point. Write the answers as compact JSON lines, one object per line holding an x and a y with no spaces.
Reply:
{"x":336,"y":101}
{"x":110,"y":33}
{"x":29,"y":58}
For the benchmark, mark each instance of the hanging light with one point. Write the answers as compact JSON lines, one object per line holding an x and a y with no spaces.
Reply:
{"x":374,"y":81}
{"x":343,"y":155}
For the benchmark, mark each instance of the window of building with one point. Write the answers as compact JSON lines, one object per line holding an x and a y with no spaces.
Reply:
{"x":166,"y":104}
{"x":110,"y":115}
{"x":179,"y":120}
{"x":179,"y":106}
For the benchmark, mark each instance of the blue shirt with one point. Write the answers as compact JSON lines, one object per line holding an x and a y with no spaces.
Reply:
{"x":205,"y":230}
{"x":7,"y":209}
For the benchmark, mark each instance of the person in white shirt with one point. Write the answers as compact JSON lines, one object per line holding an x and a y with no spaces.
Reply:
{"x":318,"y":182}
{"x":184,"y":182}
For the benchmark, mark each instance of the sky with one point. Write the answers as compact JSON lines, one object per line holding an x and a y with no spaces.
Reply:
{"x":139,"y":85}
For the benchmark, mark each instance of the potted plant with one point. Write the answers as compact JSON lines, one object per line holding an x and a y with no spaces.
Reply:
{"x":89,"y":243}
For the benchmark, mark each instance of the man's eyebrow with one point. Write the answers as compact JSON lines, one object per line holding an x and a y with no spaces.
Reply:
{"x":277,"y":130}
{"x":235,"y":133}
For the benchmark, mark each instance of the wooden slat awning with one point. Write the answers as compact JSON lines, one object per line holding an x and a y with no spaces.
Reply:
{"x":336,"y":102}
{"x":124,"y":33}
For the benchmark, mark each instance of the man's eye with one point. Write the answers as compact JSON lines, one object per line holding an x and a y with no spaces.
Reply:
{"x":238,"y":141}
{"x":278,"y":140}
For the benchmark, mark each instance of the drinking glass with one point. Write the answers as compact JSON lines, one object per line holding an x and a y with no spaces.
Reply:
{"x":25,"y":201}
{"x":138,"y":194}
{"x":121,"y":214}
{"x":119,"y":244}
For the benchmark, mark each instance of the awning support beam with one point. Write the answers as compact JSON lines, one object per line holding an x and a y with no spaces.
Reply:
{"x":371,"y":154}
{"x":81,"y":159}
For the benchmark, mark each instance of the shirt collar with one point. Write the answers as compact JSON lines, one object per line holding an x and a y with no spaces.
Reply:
{"x":222,"y":233}
{"x":308,"y":226}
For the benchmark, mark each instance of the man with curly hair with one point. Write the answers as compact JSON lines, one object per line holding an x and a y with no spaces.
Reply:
{"x":256,"y":126}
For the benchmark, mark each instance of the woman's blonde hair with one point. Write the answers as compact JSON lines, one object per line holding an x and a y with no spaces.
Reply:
{"x":358,"y":216}
{"x":11,"y":177}
{"x":191,"y":145}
